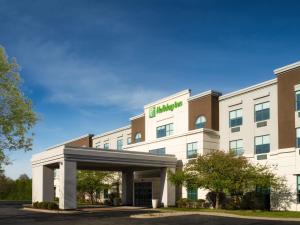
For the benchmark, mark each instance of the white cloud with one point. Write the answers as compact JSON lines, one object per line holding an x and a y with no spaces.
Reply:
{"x":73,"y":80}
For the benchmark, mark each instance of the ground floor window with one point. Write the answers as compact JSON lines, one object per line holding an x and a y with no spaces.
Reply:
{"x":192,"y":194}
{"x":298,"y":188}
{"x":158,"y":151}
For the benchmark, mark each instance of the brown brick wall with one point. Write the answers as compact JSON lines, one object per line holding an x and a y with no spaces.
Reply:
{"x":82,"y":142}
{"x":138,"y":126}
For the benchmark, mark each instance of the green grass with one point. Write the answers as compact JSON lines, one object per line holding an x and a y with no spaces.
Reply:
{"x":249,"y":213}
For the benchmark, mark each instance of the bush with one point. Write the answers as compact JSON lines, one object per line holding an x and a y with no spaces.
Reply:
{"x":45,"y":205}
{"x":253,"y":201}
{"x":183,"y":203}
{"x":211,"y":198}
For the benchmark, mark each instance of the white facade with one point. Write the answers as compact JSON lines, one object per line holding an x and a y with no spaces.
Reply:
{"x":247,"y":118}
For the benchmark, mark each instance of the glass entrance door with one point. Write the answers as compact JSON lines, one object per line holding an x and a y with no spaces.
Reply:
{"x":143,"y":194}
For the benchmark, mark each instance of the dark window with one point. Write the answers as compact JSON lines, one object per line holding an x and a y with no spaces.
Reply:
{"x":138,"y":137}
{"x":200,"y":122}
{"x":159,"y":151}
{"x":106,"y":146}
{"x":235,"y":118}
{"x":165,"y":130}
{"x":298,"y":188}
{"x":192,"y":150}
{"x":192,"y":194}
{"x":298,"y":101}
{"x":262,"y":144}
{"x":298,"y":137}
{"x":262,"y":111}
{"x":120,"y":144}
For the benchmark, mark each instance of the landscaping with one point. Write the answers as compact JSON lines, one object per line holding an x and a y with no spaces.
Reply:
{"x":247,"y":213}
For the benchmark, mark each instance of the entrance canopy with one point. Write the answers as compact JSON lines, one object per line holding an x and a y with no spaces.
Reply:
{"x":69,"y":159}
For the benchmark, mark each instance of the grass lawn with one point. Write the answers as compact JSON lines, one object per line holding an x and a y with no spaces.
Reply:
{"x":278,"y":214}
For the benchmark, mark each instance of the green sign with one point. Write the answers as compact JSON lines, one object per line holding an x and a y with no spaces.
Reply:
{"x":153,"y":111}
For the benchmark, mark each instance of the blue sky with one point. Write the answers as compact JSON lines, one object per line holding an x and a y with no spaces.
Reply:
{"x":90,"y":65}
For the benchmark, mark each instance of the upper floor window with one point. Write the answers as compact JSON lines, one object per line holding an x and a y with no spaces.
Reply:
{"x":235,"y":118}
{"x":262,"y":111}
{"x":165,"y":130}
{"x":97,"y":145}
{"x":298,"y":100}
{"x":262,"y":144}
{"x":298,"y":137}
{"x":159,"y":151}
{"x":192,"y":150}
{"x":237,"y":147}
{"x":106,"y":146}
{"x":200,"y":122}
{"x":138,"y":137}
{"x":120,"y":144}
{"x":129,"y":140}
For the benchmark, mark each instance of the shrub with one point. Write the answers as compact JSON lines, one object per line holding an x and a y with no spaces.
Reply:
{"x":183,"y":203}
{"x":211,"y":198}
{"x":200,"y":203}
{"x":45,"y":205}
{"x":253,"y":201}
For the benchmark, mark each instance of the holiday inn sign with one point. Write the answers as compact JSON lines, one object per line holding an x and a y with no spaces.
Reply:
{"x":153,"y":111}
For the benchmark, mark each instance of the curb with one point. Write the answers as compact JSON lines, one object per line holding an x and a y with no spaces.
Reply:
{"x":52,"y":211}
{"x":171,"y":214}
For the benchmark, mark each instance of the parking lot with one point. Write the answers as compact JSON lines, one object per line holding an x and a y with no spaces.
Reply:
{"x":13,"y":214}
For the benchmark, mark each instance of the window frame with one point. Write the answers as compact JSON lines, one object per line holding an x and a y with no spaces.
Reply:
{"x":236,"y":149}
{"x":298,"y":188}
{"x":236,"y":118}
{"x":118,"y":144}
{"x":262,"y":150}
{"x":194,"y":150}
{"x":262,"y":111}
{"x":198,"y":124}
{"x":165,"y":130}
{"x":138,"y":139}
{"x":297,"y":138}
{"x":192,"y":194}
{"x":158,"y":151}
{"x":297,"y":103}
{"x":106,"y":144}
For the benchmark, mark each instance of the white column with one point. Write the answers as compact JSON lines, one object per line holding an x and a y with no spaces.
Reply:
{"x":167,"y":188}
{"x":42,"y":184}
{"x":67,"y":185}
{"x":127,"y":187}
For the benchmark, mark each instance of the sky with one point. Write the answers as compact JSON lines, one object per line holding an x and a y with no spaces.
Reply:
{"x":88,"y":66}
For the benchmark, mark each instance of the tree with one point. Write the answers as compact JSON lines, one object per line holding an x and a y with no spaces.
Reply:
{"x":16,"y":115}
{"x":222,"y":172}
{"x":93,"y":182}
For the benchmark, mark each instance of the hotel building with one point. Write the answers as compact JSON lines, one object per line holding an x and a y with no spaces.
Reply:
{"x":260,"y":122}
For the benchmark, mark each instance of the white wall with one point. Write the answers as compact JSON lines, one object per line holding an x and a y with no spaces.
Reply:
{"x":248,"y":130}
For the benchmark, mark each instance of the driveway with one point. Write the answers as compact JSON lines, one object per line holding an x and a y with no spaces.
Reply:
{"x":15,"y":215}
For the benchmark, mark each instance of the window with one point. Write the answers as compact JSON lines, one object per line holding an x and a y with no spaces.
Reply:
{"x":159,"y":151}
{"x":165,"y":130}
{"x":200,"y":122}
{"x":192,"y":194}
{"x":297,"y":100}
{"x":192,"y":150}
{"x":98,"y":144}
{"x":237,"y":147}
{"x":298,"y":137}
{"x":262,"y":111}
{"x":106,"y":146}
{"x":262,"y":144}
{"x":120,"y":144}
{"x":298,"y":188}
{"x":138,"y":137}
{"x":105,"y":193}
{"x":235,"y":118}
{"x":129,"y":140}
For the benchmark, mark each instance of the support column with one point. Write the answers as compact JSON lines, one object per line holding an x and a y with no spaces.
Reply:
{"x":167,"y":189}
{"x":42,"y":184}
{"x":127,"y":187}
{"x":67,"y":185}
